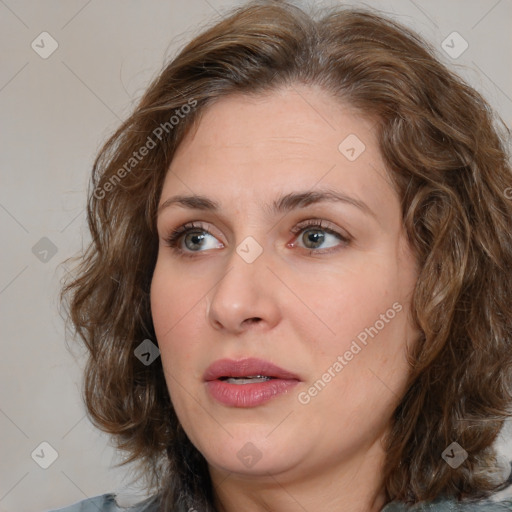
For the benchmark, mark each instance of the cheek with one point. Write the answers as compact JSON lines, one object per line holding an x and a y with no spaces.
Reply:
{"x":364,"y":318}
{"x":374,"y":329}
{"x":175,"y":317}
{"x":361,"y":369}
{"x":350,"y":299}
{"x":174,"y":298}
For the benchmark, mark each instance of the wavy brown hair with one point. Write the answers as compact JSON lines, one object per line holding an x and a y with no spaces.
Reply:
{"x":445,"y":157}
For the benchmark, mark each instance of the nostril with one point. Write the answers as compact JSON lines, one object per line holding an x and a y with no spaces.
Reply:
{"x":252,"y":320}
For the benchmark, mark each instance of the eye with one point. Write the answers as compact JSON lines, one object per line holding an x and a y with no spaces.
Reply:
{"x":191,"y":238}
{"x":314,"y":235}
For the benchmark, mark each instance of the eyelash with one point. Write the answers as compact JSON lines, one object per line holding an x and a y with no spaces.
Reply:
{"x":173,"y":238}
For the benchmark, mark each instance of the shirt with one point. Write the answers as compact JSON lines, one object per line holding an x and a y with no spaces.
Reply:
{"x":107,"y":503}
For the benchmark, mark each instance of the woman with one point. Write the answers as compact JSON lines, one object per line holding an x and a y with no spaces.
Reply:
{"x":297,"y":294}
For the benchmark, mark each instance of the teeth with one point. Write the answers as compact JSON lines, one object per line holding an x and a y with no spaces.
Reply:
{"x":247,"y":380}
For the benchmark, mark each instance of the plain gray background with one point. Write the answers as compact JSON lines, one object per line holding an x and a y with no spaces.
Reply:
{"x":55,"y":112}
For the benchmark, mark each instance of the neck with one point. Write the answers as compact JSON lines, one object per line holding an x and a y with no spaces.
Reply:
{"x":353,"y":486}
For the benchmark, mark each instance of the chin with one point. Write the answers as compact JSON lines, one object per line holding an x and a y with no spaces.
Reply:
{"x":252,"y":462}
{"x":251,"y":451}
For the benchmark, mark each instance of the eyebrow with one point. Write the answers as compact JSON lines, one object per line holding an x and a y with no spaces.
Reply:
{"x":283,"y":204}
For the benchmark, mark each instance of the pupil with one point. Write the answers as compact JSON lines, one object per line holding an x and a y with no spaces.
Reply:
{"x":195,"y":239}
{"x":313,"y":236}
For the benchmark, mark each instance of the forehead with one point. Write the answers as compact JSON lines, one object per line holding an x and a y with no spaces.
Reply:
{"x":292,"y":136}
{"x":289,"y":119}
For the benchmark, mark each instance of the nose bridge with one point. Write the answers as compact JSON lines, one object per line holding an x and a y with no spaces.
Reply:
{"x":245,"y":290}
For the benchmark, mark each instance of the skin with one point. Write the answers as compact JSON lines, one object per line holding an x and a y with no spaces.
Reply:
{"x":295,"y":307}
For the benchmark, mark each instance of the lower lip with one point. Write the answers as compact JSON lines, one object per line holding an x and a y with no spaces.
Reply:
{"x":248,"y":395}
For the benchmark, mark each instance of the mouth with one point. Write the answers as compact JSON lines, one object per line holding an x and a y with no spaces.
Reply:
{"x":246,"y":371}
{"x":250,"y":379}
{"x":247,"y":382}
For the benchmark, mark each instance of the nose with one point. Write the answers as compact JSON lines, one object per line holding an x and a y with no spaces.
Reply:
{"x":245,"y":297}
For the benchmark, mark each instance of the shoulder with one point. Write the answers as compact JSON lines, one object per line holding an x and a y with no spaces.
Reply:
{"x":107,"y":503}
{"x":444,"y":505}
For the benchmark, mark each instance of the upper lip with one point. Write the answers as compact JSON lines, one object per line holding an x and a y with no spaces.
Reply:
{"x":245,"y":368}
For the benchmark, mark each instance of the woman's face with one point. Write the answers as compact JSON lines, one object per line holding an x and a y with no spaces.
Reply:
{"x":296,"y":258}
